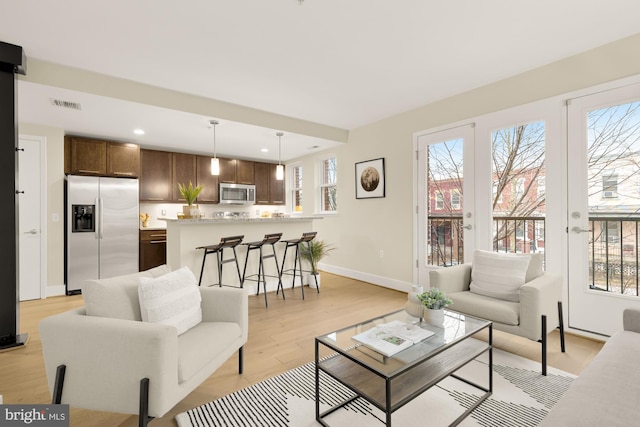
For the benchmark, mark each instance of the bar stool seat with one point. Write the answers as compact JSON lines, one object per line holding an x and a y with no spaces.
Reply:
{"x":269,"y":239}
{"x":225,"y":243}
{"x":297,"y":263}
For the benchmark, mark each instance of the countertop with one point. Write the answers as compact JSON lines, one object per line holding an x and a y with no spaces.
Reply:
{"x":238,"y":219}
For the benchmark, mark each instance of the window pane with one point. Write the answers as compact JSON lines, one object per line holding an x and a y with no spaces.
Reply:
{"x":518,"y":188}
{"x":614,"y":198}
{"x":328,"y":187}
{"x":444,"y":184}
{"x":296,"y":190}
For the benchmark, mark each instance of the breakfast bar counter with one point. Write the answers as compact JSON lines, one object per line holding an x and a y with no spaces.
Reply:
{"x":185,"y":235}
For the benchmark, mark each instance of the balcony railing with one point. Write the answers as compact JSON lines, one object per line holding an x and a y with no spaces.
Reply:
{"x":614,"y":244}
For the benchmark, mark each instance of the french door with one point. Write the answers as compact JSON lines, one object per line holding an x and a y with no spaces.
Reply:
{"x":603,"y":171}
{"x":445,"y":199}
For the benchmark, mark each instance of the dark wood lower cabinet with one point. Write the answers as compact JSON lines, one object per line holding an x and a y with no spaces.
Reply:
{"x":153,"y":248}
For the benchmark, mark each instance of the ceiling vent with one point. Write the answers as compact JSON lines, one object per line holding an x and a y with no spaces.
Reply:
{"x":65,"y":104}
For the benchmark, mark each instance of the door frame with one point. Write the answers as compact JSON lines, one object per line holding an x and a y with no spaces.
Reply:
{"x":42,"y":141}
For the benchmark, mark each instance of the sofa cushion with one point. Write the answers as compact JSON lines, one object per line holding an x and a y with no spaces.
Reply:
{"x":488,"y":308}
{"x":535,"y":268}
{"x":202,"y":343}
{"x":117,"y":297}
{"x":172,"y":299}
{"x":498,"y":275}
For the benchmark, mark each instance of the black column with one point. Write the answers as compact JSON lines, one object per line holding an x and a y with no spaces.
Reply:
{"x":12,"y":61}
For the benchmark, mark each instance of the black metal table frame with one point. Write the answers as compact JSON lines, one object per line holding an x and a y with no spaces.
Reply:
{"x":389,"y":410}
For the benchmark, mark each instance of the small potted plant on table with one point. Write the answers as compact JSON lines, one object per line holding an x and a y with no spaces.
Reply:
{"x":434,"y":301}
{"x":189,"y":193}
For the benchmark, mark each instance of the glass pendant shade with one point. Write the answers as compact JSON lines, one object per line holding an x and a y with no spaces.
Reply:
{"x":279,"y":172}
{"x":215,"y":166}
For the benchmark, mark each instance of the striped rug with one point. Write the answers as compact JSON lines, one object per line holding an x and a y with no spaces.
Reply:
{"x":521,"y":397}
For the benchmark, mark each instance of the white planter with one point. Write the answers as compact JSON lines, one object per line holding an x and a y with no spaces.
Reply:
{"x":414,"y":306}
{"x":434,"y":317}
{"x":311,"y":281}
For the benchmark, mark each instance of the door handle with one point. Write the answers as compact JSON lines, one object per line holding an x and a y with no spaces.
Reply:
{"x":579,"y":230}
{"x":32,"y":231}
{"x":467,"y":227}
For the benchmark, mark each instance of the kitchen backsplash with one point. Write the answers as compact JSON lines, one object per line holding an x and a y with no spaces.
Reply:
{"x":171,"y":210}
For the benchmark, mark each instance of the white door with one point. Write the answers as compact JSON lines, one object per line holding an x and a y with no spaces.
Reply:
{"x":445,"y":204}
{"x":31,"y":218}
{"x":603,"y":208}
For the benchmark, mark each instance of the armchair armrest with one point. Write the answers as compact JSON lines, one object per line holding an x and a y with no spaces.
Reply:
{"x":111,"y":355}
{"x":226,"y":305}
{"x":631,"y":320}
{"x":451,"y":279}
{"x":537,"y":297}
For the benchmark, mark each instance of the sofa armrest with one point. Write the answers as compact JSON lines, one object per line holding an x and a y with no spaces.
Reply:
{"x":111,"y":355}
{"x":631,"y":320}
{"x":537,"y":297}
{"x":451,"y":279}
{"x":226,"y":305}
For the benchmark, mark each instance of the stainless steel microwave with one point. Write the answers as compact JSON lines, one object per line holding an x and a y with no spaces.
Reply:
{"x":237,"y":194}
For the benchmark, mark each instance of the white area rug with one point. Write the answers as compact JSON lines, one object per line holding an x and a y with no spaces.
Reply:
{"x":521,"y":397}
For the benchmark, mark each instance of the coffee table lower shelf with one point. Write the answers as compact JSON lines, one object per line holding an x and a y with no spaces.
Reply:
{"x":390,"y":392}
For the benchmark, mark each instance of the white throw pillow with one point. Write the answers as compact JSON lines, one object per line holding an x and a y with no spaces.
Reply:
{"x":498,"y":275}
{"x":117,"y":297}
{"x":173,"y":299}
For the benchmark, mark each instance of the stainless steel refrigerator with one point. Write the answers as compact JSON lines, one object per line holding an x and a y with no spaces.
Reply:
{"x":101,"y":229}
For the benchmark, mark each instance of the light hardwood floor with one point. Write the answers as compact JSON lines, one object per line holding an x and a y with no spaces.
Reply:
{"x":280,"y":338}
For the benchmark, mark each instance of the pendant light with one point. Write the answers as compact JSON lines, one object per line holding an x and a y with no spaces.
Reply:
{"x":279,"y":168}
{"x":215,"y":162}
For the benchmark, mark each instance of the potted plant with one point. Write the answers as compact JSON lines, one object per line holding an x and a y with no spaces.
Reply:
{"x":434,"y":301}
{"x":313,"y":253}
{"x":189,"y":193}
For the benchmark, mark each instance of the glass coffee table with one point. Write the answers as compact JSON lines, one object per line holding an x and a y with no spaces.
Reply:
{"x":391,"y":382}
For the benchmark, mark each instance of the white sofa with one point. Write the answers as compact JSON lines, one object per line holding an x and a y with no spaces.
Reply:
{"x":607,"y":392}
{"x":122,"y":364}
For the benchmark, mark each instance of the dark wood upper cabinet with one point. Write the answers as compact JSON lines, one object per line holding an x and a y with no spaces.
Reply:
{"x":184,"y":171}
{"x":123,"y":160}
{"x":277,"y":194}
{"x":87,"y":156}
{"x":262,"y":171}
{"x":155,"y":176}
{"x":269,"y":191}
{"x":227,"y":171}
{"x":245,"y":172}
{"x":209,"y":193}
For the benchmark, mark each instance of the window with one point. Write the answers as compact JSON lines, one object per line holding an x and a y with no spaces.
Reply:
{"x":455,"y":200}
{"x":439,"y":201}
{"x":328,"y":185}
{"x":610,"y":186}
{"x":296,"y":188}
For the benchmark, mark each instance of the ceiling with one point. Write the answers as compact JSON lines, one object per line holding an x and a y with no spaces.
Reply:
{"x":340,"y":63}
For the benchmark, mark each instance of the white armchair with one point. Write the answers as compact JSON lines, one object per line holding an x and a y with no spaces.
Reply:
{"x":538,"y":312}
{"x":135,"y":367}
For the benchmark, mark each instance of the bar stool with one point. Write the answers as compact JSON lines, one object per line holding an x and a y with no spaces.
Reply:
{"x":269,"y":239}
{"x":218,"y":249}
{"x":297,"y":262}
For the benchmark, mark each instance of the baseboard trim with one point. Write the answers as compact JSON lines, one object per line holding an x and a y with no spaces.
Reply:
{"x":387,"y":282}
{"x":56,"y":290}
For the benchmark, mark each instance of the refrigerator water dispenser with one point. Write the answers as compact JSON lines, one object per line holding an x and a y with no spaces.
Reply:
{"x":83,"y":219}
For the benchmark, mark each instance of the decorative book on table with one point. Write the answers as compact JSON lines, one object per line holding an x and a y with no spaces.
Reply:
{"x":393,"y":337}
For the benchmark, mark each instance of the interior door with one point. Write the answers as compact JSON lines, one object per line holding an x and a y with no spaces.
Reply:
{"x":603,"y":208}
{"x":445,"y":204}
{"x":30,"y":217}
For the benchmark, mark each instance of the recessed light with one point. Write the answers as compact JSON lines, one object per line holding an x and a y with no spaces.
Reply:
{"x":264,"y":150}
{"x":138,"y":132}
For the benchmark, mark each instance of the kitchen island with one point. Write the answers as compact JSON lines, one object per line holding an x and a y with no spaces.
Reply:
{"x":185,"y":235}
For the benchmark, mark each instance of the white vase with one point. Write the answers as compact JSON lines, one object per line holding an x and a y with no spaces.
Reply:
{"x":414,"y":306}
{"x":434,"y":317}
{"x":311,"y":281}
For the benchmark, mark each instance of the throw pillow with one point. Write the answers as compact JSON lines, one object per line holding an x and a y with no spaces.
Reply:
{"x":498,"y":275}
{"x":172,"y":299}
{"x":117,"y":297}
